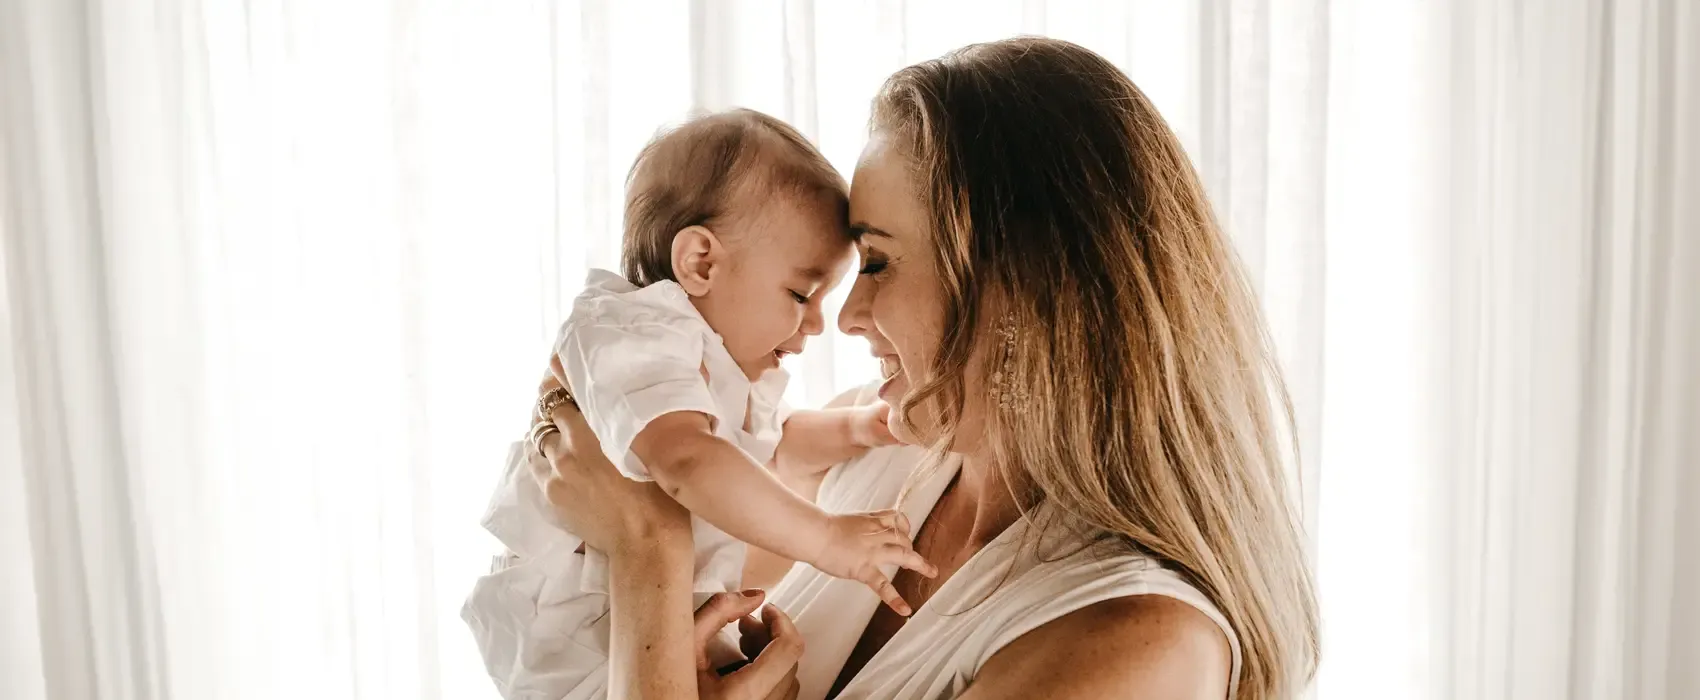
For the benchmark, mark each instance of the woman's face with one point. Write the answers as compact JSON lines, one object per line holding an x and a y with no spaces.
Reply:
{"x":896,"y":302}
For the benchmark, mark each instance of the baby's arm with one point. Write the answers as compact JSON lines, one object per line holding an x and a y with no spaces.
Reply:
{"x":814,"y":441}
{"x":716,"y":480}
{"x":721,"y":483}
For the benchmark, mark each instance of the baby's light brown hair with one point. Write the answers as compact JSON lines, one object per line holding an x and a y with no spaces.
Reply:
{"x":703,"y":173}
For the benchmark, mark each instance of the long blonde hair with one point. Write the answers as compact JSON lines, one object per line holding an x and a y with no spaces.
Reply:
{"x":1151,"y":406}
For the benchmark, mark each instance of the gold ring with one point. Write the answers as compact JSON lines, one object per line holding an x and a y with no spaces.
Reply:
{"x":551,"y":400}
{"x":539,"y":431}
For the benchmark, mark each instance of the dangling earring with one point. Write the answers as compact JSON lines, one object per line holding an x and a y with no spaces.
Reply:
{"x":1004,"y":391}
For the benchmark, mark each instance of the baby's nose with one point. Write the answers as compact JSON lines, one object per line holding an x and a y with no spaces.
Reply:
{"x":814,"y":322}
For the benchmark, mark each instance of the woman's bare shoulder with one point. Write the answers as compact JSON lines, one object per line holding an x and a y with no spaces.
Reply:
{"x":1134,"y":646}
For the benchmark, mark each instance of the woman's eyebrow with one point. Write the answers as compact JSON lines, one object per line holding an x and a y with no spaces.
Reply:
{"x":858,"y":230}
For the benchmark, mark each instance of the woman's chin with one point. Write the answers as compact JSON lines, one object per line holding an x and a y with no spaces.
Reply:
{"x":893,"y":389}
{"x":899,"y":429}
{"x":893,"y":396}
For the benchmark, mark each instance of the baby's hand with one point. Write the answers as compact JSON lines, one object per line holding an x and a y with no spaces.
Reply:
{"x":870,"y":426}
{"x":859,"y":545}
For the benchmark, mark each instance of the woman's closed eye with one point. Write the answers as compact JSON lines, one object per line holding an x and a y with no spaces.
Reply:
{"x":873,"y":266}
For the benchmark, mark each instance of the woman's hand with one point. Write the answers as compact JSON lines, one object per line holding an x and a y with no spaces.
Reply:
{"x":611,"y":512}
{"x":772,"y":641}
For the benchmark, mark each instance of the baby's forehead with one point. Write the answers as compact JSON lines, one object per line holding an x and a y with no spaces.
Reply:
{"x":813,"y":239}
{"x":817,"y":219}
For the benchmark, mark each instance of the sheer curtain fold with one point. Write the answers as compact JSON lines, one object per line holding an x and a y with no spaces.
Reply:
{"x":85,"y":193}
{"x":279,"y":277}
{"x":1558,"y":519}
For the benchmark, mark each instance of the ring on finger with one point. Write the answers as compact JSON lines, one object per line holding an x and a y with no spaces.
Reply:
{"x":540,"y":430}
{"x":551,"y":400}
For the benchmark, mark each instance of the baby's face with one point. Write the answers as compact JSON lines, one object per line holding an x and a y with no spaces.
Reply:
{"x":784,"y":260}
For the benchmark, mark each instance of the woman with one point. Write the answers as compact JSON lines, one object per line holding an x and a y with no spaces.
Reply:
{"x":1060,"y":319}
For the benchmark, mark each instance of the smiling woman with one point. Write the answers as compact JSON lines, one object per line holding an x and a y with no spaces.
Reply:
{"x":277,"y":276}
{"x":1132,"y":508}
{"x":875,"y":263}
{"x":1019,"y":244}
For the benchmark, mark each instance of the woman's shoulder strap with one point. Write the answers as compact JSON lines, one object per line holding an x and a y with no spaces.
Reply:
{"x":1064,"y":583}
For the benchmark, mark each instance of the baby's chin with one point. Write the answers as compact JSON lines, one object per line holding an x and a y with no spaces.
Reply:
{"x":755,"y":367}
{"x":753,"y":372}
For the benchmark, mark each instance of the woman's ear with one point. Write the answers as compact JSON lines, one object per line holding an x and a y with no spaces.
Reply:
{"x":697,"y":256}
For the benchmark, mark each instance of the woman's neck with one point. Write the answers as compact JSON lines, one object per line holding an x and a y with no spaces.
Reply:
{"x":980,"y":492}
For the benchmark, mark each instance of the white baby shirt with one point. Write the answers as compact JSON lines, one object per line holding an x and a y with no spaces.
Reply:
{"x":632,"y":355}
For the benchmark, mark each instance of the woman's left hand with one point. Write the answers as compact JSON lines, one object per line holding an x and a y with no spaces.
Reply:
{"x":772,"y":675}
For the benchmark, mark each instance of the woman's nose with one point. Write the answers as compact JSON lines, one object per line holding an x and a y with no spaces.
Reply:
{"x":856,"y":317}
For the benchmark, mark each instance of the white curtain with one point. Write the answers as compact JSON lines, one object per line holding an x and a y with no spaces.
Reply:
{"x":279,"y":276}
{"x":1563,"y":463}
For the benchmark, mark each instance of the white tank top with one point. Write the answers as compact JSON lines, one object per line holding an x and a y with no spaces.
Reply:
{"x":1002,"y":592}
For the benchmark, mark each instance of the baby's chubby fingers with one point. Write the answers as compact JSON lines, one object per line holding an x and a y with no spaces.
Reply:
{"x":902,"y":556}
{"x":888,"y":593}
{"x":900,"y":523}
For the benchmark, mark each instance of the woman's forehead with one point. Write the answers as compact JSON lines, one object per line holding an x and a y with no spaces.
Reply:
{"x":878,"y":169}
{"x":883,"y":199}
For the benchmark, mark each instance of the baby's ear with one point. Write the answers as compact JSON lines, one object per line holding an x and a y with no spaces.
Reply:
{"x":697,"y":256}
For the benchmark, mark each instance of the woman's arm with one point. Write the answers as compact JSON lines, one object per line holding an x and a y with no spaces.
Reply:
{"x":648,"y":544}
{"x":1134,"y":647}
{"x":650,"y":600}
{"x":657,"y":650}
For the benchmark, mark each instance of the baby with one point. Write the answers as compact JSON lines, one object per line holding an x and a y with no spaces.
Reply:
{"x":735,"y":231}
